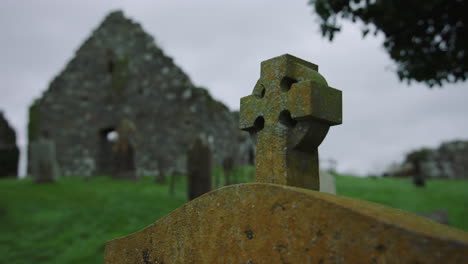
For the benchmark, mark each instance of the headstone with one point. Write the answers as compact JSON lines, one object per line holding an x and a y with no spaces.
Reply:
{"x":45,"y":168}
{"x":9,"y":152}
{"x":289,"y":113}
{"x":276,"y":223}
{"x":327,"y":182}
{"x":198,"y":169}
{"x":228,"y":166}
{"x":124,"y":152}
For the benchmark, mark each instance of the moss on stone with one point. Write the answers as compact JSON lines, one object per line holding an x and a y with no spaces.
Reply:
{"x":213,"y":104}
{"x":120,"y":75}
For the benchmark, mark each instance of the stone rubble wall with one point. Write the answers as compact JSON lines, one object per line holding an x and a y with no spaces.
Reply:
{"x":119,"y":73}
{"x":448,"y":161}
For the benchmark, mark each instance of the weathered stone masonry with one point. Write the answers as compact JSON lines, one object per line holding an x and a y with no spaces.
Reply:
{"x":119,"y":73}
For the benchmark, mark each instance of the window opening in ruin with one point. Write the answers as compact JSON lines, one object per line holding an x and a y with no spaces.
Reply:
{"x":112,"y":136}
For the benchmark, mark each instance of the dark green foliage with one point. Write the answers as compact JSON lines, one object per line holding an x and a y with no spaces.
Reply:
{"x":199,"y":169}
{"x":416,"y":158}
{"x":427,"y":39}
{"x":418,"y":155}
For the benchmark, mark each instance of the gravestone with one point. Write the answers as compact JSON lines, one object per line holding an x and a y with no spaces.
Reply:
{"x":123,"y":152}
{"x":228,"y":166}
{"x":45,"y":168}
{"x":199,"y":169}
{"x":327,"y":182}
{"x":271,"y":222}
{"x":289,"y":113}
{"x":9,"y":152}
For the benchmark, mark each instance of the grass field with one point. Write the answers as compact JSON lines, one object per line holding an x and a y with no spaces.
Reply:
{"x":69,"y":222}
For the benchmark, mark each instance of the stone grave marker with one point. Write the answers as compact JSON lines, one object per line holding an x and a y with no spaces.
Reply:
{"x":228,"y":166}
{"x":198,"y":169}
{"x":271,"y":222}
{"x":45,"y":168}
{"x":289,"y":113}
{"x":327,"y":182}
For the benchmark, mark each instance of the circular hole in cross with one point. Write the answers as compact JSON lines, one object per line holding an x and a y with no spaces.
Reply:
{"x":286,"y":119}
{"x":259,"y":123}
{"x":286,"y":83}
{"x":261,"y":93}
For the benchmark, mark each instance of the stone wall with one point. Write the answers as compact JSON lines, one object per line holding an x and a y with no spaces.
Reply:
{"x":448,"y":161}
{"x":9,"y":152}
{"x":119,"y":73}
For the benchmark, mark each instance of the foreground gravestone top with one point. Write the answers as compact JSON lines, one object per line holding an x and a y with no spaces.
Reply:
{"x":268,"y":223}
{"x":289,"y":112}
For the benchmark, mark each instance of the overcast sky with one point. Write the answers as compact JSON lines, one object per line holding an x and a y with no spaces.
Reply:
{"x":220,"y":45}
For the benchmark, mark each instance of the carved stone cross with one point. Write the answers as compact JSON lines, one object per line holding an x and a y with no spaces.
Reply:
{"x":289,"y":113}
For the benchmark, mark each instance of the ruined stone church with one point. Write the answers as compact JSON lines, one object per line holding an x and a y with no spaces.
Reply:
{"x":120,"y":74}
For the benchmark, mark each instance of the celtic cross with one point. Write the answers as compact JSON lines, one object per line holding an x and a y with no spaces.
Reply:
{"x":289,"y":114}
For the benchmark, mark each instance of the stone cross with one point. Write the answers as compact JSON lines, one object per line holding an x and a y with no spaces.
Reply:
{"x":289,"y":113}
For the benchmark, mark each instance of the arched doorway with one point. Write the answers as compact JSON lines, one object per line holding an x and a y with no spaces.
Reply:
{"x":107,"y":137}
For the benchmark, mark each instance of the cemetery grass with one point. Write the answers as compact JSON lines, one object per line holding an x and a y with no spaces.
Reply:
{"x":70,"y":221}
{"x":450,"y":195}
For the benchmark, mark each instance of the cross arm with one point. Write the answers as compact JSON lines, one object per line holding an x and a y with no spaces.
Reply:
{"x":250,"y":115}
{"x":313,"y":99}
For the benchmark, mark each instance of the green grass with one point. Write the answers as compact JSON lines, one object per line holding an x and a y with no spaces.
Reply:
{"x":70,"y":221}
{"x":401,"y":193}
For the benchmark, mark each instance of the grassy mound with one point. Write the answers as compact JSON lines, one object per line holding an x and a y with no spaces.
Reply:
{"x":69,"y":222}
